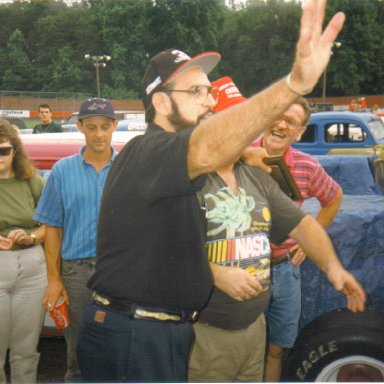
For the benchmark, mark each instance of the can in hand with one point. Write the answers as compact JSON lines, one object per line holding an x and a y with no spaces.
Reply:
{"x":59,"y":314}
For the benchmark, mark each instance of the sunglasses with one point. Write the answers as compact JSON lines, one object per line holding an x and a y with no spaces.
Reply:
{"x":5,"y":151}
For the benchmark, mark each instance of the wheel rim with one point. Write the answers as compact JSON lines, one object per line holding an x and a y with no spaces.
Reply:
{"x":353,"y":369}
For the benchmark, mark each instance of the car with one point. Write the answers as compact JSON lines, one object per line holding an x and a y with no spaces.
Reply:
{"x":343,"y":133}
{"x":335,"y":344}
{"x":70,"y":124}
{"x":45,"y":150}
{"x":132,"y":125}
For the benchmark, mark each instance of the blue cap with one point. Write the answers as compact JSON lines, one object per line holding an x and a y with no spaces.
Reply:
{"x":96,"y":107}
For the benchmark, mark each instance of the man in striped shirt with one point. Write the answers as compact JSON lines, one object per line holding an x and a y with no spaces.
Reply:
{"x":285,"y":305}
{"x":69,"y":206}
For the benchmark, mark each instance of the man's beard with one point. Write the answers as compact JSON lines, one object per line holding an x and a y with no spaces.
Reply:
{"x":178,"y":121}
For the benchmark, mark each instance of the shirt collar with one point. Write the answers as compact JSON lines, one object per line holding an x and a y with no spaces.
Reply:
{"x":114,"y":153}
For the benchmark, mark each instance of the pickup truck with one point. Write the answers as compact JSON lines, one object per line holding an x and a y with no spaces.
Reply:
{"x":330,"y":133}
{"x":334,"y":344}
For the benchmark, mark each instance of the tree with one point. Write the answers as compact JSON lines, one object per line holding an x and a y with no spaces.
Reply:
{"x":354,"y":69}
{"x":258,"y":43}
{"x":18,"y":72}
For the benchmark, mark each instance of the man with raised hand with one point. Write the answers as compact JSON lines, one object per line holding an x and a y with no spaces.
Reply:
{"x":152,"y":273}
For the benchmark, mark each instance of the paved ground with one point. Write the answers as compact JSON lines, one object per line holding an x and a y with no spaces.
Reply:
{"x":52,"y":360}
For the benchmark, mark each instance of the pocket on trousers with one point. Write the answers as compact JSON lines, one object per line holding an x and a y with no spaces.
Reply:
{"x":68,"y":267}
{"x":296,"y":271}
{"x":103,"y":352}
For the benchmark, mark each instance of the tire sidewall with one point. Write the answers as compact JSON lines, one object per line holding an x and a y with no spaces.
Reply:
{"x":331,"y":338}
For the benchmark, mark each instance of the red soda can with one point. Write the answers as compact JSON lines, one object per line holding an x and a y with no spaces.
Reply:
{"x":59,"y":313}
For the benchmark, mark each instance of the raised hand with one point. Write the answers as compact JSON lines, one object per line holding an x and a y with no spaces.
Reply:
{"x":313,"y":49}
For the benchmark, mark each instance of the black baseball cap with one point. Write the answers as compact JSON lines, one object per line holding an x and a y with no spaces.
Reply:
{"x":167,"y":65}
{"x":96,"y":107}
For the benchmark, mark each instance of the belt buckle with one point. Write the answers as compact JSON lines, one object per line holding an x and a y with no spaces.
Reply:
{"x":161,"y":316}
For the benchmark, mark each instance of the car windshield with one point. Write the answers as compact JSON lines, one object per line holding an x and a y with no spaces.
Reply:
{"x":377,"y":128}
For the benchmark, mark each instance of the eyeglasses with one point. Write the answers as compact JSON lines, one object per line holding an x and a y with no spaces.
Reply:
{"x":290,"y":122}
{"x":5,"y":151}
{"x":200,"y":92}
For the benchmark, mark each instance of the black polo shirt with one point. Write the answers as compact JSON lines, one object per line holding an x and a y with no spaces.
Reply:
{"x":151,"y":231}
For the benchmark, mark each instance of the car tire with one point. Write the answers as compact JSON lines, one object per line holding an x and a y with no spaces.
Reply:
{"x":339,"y":346}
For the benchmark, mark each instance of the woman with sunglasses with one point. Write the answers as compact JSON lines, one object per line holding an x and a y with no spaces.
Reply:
{"x":22,"y":272}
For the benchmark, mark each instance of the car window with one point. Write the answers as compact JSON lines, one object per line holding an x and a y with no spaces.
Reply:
{"x":377,"y":129}
{"x":309,"y":136}
{"x":344,"y":133}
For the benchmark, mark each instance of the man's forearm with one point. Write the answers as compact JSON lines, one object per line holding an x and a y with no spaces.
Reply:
{"x":326,"y":214}
{"x":52,"y":249}
{"x":316,"y":244}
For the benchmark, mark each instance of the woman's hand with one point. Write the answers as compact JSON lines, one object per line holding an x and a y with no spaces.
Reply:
{"x":5,"y":243}
{"x":19,"y":236}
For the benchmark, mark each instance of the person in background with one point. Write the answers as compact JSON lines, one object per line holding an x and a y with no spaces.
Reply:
{"x":23,"y":277}
{"x":47,"y":125}
{"x":353,"y":105}
{"x":362,"y":104}
{"x":376,"y":108}
{"x":152,"y":273}
{"x":69,"y":206}
{"x":285,"y":305}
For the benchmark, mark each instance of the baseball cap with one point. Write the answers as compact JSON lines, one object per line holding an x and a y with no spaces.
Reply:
{"x":96,"y":107}
{"x":229,"y":94}
{"x":167,"y":65}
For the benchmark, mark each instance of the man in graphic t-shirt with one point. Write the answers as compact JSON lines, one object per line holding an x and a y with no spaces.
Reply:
{"x":245,"y":210}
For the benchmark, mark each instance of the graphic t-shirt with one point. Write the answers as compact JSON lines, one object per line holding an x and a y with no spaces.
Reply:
{"x":239,"y":229}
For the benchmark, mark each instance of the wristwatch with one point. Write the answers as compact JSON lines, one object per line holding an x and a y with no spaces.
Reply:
{"x":33,"y":238}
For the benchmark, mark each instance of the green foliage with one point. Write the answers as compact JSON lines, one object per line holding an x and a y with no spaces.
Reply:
{"x":43,"y":43}
{"x":19,"y":72}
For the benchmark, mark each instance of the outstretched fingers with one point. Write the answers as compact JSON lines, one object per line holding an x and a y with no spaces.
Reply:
{"x":333,"y":29}
{"x":314,"y":46}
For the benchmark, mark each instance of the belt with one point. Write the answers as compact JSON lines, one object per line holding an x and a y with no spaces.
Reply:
{"x":281,"y":259}
{"x":144,"y":313}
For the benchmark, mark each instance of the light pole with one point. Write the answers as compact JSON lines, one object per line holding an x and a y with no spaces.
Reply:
{"x":336,"y":44}
{"x":98,"y":61}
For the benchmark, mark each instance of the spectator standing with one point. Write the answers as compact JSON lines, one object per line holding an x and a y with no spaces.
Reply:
{"x":152,"y":272}
{"x":47,"y":125}
{"x":362,"y":104}
{"x":353,"y":105}
{"x":240,"y":204}
{"x":285,"y":306}
{"x":23,"y":276}
{"x":376,"y":108}
{"x":69,"y":206}
{"x":230,"y":332}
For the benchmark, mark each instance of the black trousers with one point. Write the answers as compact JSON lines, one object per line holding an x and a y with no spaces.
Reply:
{"x":114,"y":347}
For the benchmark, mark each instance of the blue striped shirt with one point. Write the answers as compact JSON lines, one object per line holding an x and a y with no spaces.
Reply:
{"x":71,"y":201}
